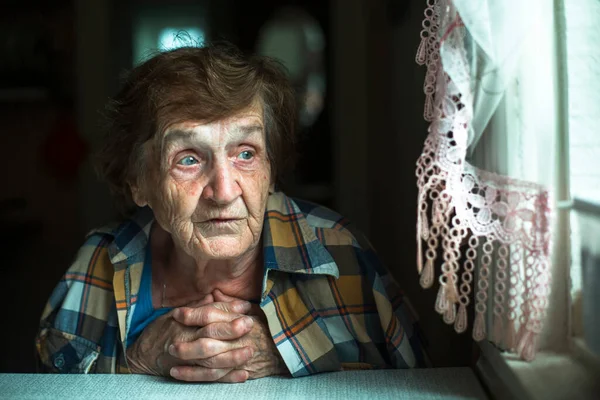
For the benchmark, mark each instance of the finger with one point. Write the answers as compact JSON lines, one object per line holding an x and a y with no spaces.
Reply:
{"x":235,"y":376}
{"x":198,"y":374}
{"x":236,"y":306}
{"x":207,"y":314}
{"x":230,"y":359}
{"x":227,"y":330}
{"x":202,"y":348}
{"x":220,"y":296}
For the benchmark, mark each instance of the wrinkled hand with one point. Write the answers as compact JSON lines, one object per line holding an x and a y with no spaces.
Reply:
{"x":150,"y":352}
{"x":264,"y":358}
{"x":208,"y":341}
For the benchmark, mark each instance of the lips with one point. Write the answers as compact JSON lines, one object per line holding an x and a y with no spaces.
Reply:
{"x":221,"y":220}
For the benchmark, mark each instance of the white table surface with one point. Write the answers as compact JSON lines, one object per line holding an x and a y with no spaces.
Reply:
{"x":438,"y":383}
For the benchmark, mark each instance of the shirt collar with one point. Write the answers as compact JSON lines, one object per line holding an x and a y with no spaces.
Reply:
{"x":131,"y":237}
{"x":289,"y":242}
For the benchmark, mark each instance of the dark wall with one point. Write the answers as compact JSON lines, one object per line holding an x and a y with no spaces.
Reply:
{"x":40,"y":154}
{"x":397,"y":133}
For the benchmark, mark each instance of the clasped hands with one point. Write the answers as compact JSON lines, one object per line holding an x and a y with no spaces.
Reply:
{"x":219,"y":339}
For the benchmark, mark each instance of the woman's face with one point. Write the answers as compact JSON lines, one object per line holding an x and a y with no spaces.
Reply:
{"x":211,"y":187}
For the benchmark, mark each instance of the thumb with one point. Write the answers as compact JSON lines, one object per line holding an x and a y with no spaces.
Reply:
{"x":254,"y":309}
{"x":210,"y":313}
{"x":197,"y":303}
{"x":222,"y":297}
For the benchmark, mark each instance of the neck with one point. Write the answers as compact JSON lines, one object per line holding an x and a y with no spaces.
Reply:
{"x":189,"y":279}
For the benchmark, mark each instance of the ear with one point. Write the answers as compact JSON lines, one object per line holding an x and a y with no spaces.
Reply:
{"x":138,"y":196}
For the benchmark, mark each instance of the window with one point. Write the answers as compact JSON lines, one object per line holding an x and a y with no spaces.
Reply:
{"x":520,"y":141}
{"x":172,"y":38}
{"x":566,"y":36}
{"x":583,"y":56}
{"x":164,"y":27}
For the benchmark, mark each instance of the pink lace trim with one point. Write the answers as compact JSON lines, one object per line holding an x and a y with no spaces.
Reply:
{"x":477,"y":221}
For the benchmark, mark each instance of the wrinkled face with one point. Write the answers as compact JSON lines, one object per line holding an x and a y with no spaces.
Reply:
{"x":211,"y":188}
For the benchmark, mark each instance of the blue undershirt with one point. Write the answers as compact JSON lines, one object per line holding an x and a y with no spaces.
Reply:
{"x":144,"y":312}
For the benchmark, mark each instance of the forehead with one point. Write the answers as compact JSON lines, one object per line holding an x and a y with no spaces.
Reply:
{"x":246,"y":123}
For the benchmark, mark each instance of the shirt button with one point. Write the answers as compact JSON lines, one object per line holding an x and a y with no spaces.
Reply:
{"x":59,"y":361}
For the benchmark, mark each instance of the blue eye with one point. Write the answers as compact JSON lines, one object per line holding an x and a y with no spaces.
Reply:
{"x":187,"y":161}
{"x":246,"y":155}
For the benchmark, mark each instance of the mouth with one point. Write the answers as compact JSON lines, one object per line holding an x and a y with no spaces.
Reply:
{"x":219,"y":221}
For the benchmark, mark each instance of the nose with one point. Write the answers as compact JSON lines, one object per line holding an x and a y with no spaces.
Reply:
{"x":223,"y":187}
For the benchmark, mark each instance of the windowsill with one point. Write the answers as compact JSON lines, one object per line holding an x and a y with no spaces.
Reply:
{"x":550,"y":376}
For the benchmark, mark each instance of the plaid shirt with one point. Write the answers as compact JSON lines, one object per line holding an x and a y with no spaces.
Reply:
{"x":329,"y":303}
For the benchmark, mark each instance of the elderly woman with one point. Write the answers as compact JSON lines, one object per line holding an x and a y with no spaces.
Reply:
{"x":215,"y":275}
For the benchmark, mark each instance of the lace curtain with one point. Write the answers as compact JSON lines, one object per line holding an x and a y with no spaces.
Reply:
{"x":491,"y":233}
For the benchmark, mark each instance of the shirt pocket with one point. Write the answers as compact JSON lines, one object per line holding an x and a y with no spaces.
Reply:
{"x":66,"y":353}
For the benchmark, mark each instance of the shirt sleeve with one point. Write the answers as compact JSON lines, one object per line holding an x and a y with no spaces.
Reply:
{"x":73,"y":327}
{"x":404,"y":339}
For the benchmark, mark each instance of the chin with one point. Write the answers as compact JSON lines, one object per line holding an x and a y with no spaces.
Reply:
{"x":225,"y":247}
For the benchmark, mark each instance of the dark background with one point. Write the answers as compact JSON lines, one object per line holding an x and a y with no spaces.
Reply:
{"x":61,"y":60}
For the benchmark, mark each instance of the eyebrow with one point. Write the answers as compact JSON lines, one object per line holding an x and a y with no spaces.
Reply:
{"x":249,"y":129}
{"x":182,"y":134}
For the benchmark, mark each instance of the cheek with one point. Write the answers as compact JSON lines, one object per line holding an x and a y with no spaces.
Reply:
{"x":189,"y":190}
{"x":256,"y":192}
{"x":180,"y":198}
{"x":192,"y":189}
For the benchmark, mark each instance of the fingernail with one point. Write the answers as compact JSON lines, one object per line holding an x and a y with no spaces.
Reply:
{"x":177,"y":313}
{"x":244,"y":304}
{"x":172,"y":349}
{"x":174,"y":372}
{"x":248,"y":322}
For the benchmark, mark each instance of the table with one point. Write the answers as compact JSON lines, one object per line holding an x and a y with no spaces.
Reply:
{"x":419,"y":384}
